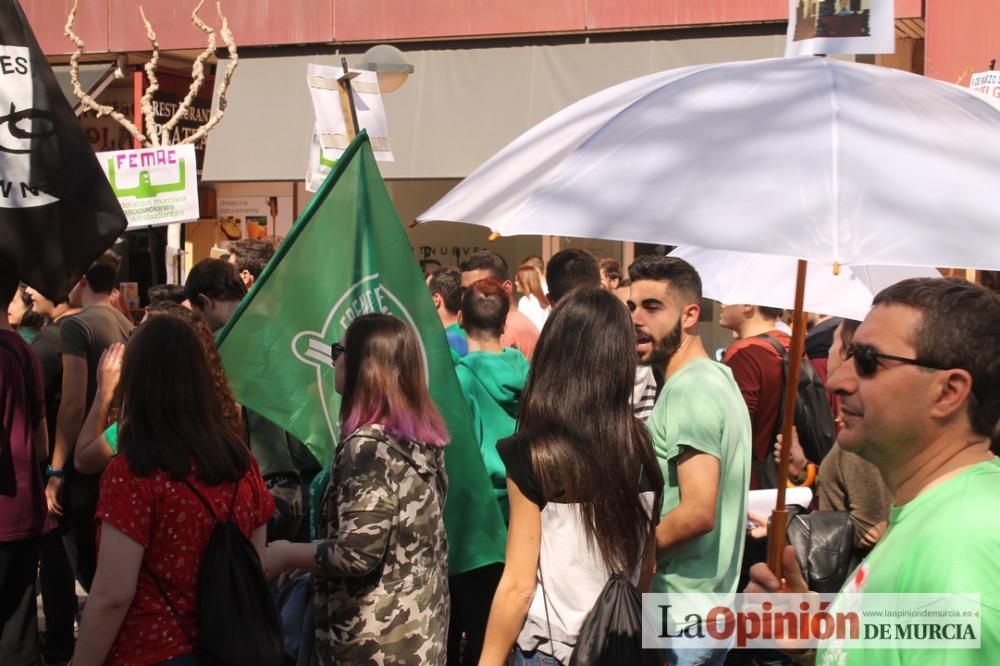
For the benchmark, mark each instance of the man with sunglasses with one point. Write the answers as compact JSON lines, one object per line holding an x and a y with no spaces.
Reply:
{"x":920,"y":399}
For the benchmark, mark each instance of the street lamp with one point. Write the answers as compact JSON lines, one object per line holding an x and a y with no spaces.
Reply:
{"x":389,"y":63}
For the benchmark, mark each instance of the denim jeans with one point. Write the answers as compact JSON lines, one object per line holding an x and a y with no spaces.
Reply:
{"x":534,"y":658}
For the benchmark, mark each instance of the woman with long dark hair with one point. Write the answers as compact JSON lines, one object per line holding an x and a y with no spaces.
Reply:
{"x":583,"y":482}
{"x":381,"y":570}
{"x":175,"y":443}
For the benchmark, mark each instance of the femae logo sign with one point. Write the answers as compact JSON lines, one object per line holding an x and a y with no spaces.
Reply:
{"x":20,"y":124}
{"x":366,"y":296}
{"x":154,"y":185}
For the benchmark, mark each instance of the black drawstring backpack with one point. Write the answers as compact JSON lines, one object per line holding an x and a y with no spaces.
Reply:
{"x":238,"y":621}
{"x":612,"y":632}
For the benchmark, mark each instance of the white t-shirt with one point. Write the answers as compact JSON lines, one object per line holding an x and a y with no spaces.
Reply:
{"x":533,"y":310}
{"x":574,"y":573}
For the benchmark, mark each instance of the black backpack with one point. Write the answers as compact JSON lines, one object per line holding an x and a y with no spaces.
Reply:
{"x":813,"y":416}
{"x":238,"y":621}
{"x":611,"y":634}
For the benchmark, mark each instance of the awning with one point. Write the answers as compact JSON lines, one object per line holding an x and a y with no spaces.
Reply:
{"x":90,"y":74}
{"x":456,"y":110}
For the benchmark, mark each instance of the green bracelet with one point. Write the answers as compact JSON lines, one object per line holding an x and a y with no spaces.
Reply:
{"x":51,"y":472}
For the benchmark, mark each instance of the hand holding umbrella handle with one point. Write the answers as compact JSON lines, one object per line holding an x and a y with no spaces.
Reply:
{"x":777,"y":533}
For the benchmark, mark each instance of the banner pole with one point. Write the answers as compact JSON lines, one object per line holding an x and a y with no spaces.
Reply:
{"x":778,"y":525}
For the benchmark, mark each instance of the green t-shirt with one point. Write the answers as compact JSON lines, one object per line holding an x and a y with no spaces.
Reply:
{"x":943,"y":540}
{"x":701,"y":408}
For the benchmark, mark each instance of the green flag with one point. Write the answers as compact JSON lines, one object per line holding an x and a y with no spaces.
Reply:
{"x":348,"y":255}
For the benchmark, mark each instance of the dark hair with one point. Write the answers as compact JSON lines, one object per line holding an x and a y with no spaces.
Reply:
{"x":173,"y":293}
{"x":611,"y":268}
{"x":103,"y":273}
{"x":447,"y":282}
{"x":769,"y":313}
{"x":586,"y":442}
{"x":569,"y":269}
{"x":31,"y":319}
{"x":216,"y":279}
{"x":847,"y":329}
{"x":252,"y":254}
{"x":9,"y":280}
{"x":385,"y":382}
{"x":487,"y":260}
{"x":230,"y":410}
{"x":990,"y":280}
{"x":681,"y":275}
{"x":959,"y":328}
{"x":484,"y":308}
{"x":172,"y":418}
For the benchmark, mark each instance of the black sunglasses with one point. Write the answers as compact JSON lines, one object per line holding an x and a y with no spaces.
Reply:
{"x":866,"y":359}
{"x":336,"y":349}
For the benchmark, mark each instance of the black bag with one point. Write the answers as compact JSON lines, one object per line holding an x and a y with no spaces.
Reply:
{"x":813,"y":416}
{"x":611,"y":634}
{"x":238,"y":621}
{"x":824,"y":548}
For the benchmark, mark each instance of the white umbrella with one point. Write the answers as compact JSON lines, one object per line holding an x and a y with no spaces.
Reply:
{"x":816,"y":158}
{"x":769,"y":280}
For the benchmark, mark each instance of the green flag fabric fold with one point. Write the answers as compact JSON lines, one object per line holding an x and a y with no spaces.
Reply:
{"x":348,"y":255}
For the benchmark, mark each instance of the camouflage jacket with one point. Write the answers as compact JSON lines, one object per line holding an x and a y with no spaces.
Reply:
{"x":382,"y":569}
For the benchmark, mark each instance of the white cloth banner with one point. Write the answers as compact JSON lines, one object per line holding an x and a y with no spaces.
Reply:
{"x":154,"y":185}
{"x":840,"y":27}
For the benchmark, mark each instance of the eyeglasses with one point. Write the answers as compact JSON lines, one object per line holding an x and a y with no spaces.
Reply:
{"x":336,"y":349}
{"x":866,"y":359}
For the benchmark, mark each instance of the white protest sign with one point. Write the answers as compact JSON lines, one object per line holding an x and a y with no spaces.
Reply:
{"x":331,"y":136}
{"x":154,"y":185}
{"x":319,"y":165}
{"x":987,"y":83}
{"x":840,"y":27}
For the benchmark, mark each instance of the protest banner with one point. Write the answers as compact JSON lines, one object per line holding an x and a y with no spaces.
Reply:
{"x":154,"y":185}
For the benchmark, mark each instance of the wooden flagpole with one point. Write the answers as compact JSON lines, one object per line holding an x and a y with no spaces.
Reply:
{"x":778,"y":527}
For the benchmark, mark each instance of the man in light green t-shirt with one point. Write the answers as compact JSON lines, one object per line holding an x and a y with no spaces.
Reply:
{"x":701,"y":431}
{"x":920,"y":399}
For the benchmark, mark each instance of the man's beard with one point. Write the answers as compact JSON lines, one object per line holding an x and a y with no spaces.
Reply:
{"x":664,"y":349}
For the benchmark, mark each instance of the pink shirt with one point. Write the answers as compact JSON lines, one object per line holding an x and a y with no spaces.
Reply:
{"x":519,"y":333}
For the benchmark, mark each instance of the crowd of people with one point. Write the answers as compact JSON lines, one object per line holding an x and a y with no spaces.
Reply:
{"x":614,"y":443}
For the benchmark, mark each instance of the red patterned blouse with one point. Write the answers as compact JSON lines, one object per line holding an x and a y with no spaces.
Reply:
{"x":172,"y":524}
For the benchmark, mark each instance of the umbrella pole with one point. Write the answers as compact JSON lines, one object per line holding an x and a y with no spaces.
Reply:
{"x":778,"y":527}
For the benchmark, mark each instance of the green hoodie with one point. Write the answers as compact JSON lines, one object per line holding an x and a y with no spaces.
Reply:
{"x":492,"y":384}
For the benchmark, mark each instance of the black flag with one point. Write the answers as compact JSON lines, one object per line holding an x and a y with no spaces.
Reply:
{"x":57,"y":210}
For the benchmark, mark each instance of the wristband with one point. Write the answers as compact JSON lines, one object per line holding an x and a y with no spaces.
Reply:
{"x":52,"y":472}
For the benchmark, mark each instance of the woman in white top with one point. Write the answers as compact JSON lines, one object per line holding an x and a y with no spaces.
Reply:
{"x":534,"y":304}
{"x":578,"y":445}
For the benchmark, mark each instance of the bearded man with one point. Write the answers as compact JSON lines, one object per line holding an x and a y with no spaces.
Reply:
{"x":701,"y":432}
